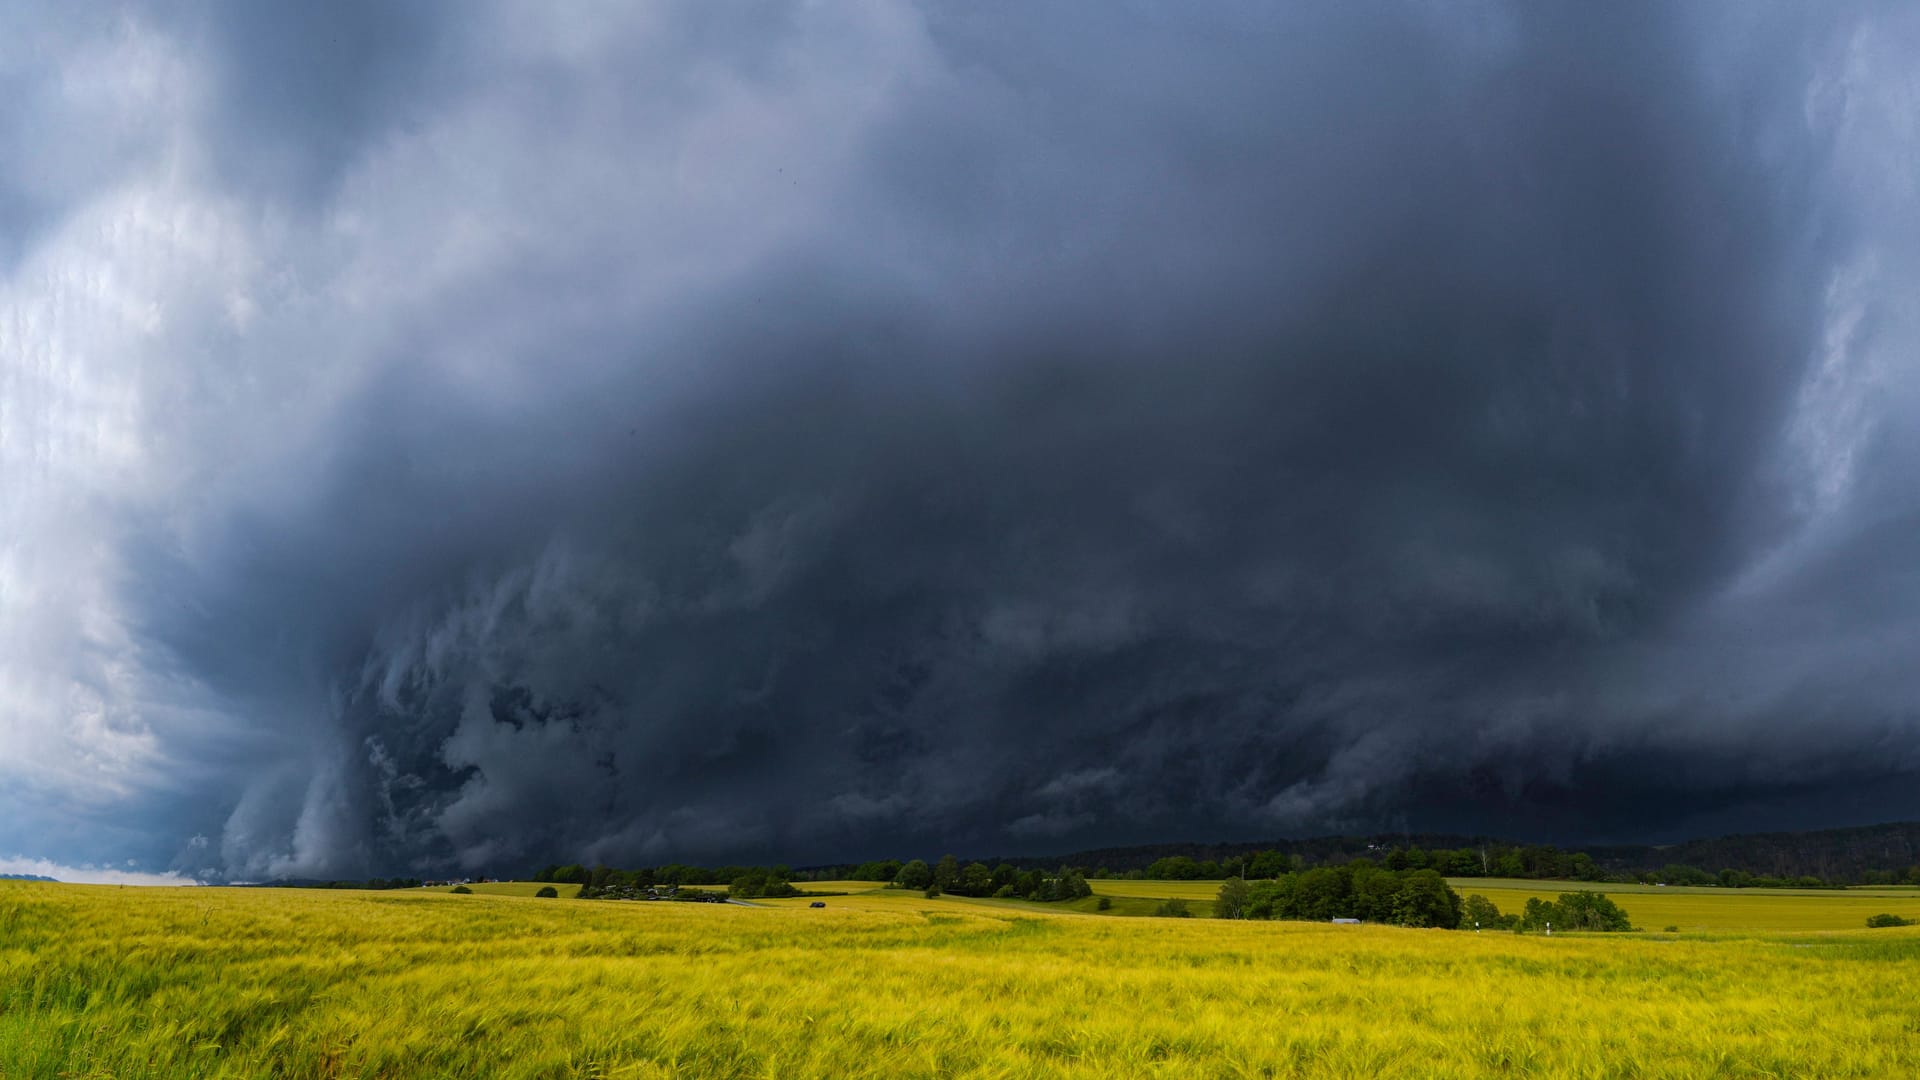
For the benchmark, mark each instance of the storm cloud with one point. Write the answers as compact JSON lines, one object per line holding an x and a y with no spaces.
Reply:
{"x":493,"y":434}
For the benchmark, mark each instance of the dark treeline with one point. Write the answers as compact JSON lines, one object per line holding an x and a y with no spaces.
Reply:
{"x":1886,"y":854}
{"x":1529,"y":861}
{"x":1867,"y":855}
{"x":1005,"y":882}
{"x":1536,"y":861}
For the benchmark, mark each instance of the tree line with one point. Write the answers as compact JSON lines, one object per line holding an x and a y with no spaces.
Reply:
{"x":1368,"y":892}
{"x":1356,"y":890}
{"x":975,"y":879}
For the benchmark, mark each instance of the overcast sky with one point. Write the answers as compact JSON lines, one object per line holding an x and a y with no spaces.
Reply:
{"x":460,"y":437}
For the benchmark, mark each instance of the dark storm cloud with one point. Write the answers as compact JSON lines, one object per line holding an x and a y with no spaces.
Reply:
{"x":832,"y":434}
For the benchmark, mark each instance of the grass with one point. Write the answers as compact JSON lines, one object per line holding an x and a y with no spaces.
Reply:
{"x":102,"y":982}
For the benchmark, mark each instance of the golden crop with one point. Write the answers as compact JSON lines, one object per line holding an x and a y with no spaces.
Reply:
{"x":125,"y":983}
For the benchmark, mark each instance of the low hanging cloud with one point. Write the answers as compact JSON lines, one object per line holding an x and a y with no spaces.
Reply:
{"x":463,"y":438}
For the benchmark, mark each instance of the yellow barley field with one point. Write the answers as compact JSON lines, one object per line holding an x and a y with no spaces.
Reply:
{"x":207,"y":983}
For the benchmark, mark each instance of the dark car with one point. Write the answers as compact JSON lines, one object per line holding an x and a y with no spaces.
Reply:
{"x":818,"y":903}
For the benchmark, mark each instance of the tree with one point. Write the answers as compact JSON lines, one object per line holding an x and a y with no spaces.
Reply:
{"x":461,"y":890}
{"x":1583,"y":910}
{"x":1235,"y":894}
{"x":1425,"y":899}
{"x":1537,"y":915}
{"x":1588,"y":910}
{"x":975,"y":880}
{"x":1372,"y":897}
{"x":548,"y":892}
{"x":1175,"y":868}
{"x":1070,"y":885}
{"x":946,"y":873}
{"x":878,"y":870}
{"x":914,"y":875}
{"x":1031,"y":885}
{"x":1321,"y":893}
{"x":1877,"y":921}
{"x":1268,"y":864}
{"x":1479,"y":913}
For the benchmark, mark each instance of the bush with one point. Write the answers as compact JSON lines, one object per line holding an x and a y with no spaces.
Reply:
{"x":1173,"y":909}
{"x":1479,"y":913}
{"x":1583,"y":910}
{"x":1234,"y":899}
{"x":548,"y":892}
{"x":1887,"y":920}
{"x":1105,"y":904}
{"x":1671,"y":930}
{"x":758,"y":882}
{"x":462,"y":890}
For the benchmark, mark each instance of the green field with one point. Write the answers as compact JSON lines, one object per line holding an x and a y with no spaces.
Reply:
{"x":104,"y":982}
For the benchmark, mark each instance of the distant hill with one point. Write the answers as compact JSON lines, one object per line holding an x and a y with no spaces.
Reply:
{"x":1847,"y":854}
{"x":1313,"y":850}
{"x":25,"y":877}
{"x":1835,"y":854}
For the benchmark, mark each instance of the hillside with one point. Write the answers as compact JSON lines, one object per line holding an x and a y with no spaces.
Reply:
{"x":1846,"y":854}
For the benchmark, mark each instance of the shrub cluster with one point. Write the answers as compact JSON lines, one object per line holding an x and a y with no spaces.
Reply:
{"x":1583,"y":910}
{"x":757,"y":883}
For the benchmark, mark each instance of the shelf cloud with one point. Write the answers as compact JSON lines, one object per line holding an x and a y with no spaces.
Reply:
{"x":461,"y":437}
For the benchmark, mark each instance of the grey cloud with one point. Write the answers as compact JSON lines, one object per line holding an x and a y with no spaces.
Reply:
{"x":839,"y":434}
